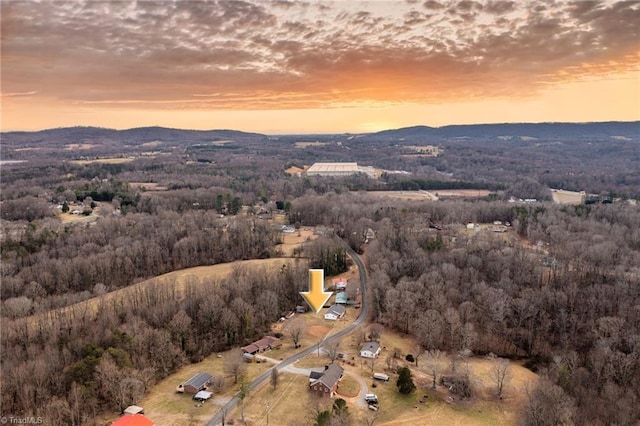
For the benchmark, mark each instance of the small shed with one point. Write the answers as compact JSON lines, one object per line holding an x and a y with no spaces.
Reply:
{"x":195,"y":384}
{"x":133,"y":409}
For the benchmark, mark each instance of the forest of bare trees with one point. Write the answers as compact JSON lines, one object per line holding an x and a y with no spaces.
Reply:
{"x":559,"y":290}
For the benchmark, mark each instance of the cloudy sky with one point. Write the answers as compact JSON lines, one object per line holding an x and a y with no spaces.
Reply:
{"x":315,"y":66}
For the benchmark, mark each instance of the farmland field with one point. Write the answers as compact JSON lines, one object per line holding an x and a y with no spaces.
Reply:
{"x":422,"y":195}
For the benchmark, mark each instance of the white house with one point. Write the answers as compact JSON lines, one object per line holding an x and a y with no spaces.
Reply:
{"x":370,"y":350}
{"x":335,"y":312}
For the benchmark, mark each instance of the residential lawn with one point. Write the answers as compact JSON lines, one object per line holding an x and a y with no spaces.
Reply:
{"x":348,"y":387}
{"x":290,"y":404}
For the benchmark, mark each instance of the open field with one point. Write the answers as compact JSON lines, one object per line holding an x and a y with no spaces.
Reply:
{"x":109,"y":160}
{"x":561,"y":196}
{"x":461,"y":193}
{"x":148,"y":186}
{"x":76,"y":146}
{"x":79,"y":218}
{"x":296,"y":240}
{"x":421,"y":195}
{"x":308,"y":144}
{"x":401,"y":195}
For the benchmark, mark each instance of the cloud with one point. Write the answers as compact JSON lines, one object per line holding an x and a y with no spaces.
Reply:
{"x":10,"y":95}
{"x":285,"y":54}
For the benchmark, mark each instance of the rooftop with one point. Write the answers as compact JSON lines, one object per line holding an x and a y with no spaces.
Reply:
{"x":199,"y":380}
{"x":371,"y":346}
{"x":333,"y":167}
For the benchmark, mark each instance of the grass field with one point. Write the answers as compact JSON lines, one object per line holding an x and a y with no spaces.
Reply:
{"x":110,"y":160}
{"x":430,"y":195}
{"x":567,"y":197}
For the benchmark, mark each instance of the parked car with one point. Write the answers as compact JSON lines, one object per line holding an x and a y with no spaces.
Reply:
{"x":373,"y":407}
{"x":371,"y":398}
{"x":202,"y":396}
{"x":381,"y":376}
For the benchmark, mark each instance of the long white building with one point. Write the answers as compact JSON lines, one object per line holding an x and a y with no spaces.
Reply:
{"x":338,"y":169}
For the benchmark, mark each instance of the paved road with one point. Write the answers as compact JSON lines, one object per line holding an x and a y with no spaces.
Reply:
{"x":217,"y":419}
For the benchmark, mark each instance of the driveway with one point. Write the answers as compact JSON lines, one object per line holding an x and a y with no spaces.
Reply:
{"x":358,"y":400}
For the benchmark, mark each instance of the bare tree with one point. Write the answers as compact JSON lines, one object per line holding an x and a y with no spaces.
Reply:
{"x":372,"y":363}
{"x":419,"y":350}
{"x":433,"y":363}
{"x":217,"y":383}
{"x":375,"y":332}
{"x":234,"y":364}
{"x":296,"y":329}
{"x":547,"y":404}
{"x":391,"y":362}
{"x":370,"y":419}
{"x":332,"y":349}
{"x":500,"y":373}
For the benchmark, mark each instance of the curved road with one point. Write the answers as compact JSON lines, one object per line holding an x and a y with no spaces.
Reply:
{"x":216,"y":420}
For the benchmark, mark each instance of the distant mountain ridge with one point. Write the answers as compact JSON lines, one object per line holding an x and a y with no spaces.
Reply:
{"x":628,"y":129}
{"x":133,"y":136}
{"x":140,"y":135}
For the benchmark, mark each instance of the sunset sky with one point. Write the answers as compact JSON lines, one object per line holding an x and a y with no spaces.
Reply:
{"x":315,"y":66}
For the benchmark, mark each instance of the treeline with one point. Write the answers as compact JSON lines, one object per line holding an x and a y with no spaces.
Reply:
{"x":68,"y":366}
{"x":434,"y":185}
{"x":48,"y":267}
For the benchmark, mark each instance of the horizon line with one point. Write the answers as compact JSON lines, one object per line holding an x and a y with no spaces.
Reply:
{"x":302,"y":133}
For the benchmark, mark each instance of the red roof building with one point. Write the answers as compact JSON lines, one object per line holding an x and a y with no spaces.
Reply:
{"x":134,"y":420}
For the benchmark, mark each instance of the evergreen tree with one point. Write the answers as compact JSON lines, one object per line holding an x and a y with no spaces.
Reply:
{"x":405,"y":381}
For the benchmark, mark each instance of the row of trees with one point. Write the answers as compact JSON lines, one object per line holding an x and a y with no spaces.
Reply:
{"x":47,"y":268}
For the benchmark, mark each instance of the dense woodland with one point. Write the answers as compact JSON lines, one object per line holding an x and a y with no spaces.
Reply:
{"x":560,"y":289}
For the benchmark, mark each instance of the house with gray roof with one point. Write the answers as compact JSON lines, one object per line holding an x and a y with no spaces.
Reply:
{"x":370,"y":350}
{"x":335,"y":312}
{"x":195,"y":384}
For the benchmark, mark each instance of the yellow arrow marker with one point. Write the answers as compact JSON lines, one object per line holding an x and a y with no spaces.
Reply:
{"x":316,"y":297}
